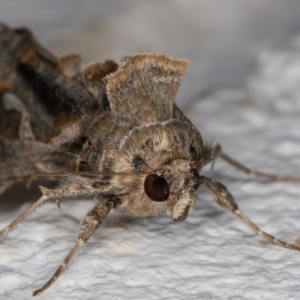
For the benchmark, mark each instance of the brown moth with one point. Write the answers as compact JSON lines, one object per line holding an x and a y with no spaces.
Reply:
{"x":114,"y":134}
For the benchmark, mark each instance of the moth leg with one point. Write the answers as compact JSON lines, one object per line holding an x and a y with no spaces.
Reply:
{"x":58,"y":204}
{"x":24,"y":215}
{"x":223,"y":197}
{"x":87,"y":227}
{"x":217,"y":152}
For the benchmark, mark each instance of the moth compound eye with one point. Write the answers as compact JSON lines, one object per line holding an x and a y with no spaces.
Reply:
{"x":156,"y":188}
{"x":197,"y":179}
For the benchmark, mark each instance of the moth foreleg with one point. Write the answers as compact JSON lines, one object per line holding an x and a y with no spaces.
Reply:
{"x":87,"y":227}
{"x":24,"y":215}
{"x":218,"y":152}
{"x":223,"y":197}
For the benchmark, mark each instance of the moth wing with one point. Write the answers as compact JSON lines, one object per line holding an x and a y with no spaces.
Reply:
{"x":51,"y":92}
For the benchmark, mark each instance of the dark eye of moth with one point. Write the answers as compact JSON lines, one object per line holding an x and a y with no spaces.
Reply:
{"x":156,"y":188}
{"x":197,"y":178}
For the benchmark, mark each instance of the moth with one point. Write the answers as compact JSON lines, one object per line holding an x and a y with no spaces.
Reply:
{"x":106,"y":132}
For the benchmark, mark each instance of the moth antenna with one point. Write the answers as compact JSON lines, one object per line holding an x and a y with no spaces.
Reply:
{"x":217,"y":152}
{"x":224,"y":198}
{"x":213,"y":161}
{"x":264,"y":234}
{"x":23,"y":216}
{"x":57,"y":176}
{"x":87,"y":227}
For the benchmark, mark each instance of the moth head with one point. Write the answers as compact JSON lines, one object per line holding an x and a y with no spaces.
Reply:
{"x":162,"y":160}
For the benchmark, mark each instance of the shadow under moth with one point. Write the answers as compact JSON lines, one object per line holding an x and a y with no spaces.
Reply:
{"x":114,"y":134}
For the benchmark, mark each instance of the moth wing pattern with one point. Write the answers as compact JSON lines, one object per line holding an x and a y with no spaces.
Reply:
{"x":41,"y":95}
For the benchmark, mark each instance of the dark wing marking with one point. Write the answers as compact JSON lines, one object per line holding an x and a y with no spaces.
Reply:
{"x":52,"y":90}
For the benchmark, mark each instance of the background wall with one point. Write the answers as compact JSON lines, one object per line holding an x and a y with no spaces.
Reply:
{"x":221,"y":38}
{"x":241,"y":90}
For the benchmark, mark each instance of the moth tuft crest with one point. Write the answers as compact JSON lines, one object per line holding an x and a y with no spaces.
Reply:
{"x":152,"y":80}
{"x":70,"y":65}
{"x":95,"y":73}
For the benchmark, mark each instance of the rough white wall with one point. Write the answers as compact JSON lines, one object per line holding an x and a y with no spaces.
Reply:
{"x":212,"y":255}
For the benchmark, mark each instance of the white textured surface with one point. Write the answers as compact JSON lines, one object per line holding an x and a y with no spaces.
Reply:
{"x":212,"y":255}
